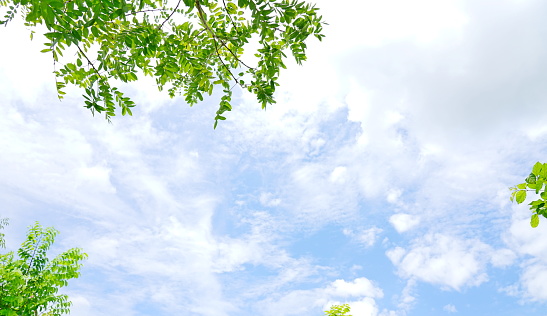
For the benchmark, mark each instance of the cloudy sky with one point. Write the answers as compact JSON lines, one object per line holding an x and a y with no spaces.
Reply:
{"x":379,"y":179}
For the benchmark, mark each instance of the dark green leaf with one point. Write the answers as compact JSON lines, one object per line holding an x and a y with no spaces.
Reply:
{"x":531,"y":179}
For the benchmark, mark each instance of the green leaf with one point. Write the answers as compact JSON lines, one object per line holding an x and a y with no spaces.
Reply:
{"x":543,"y":172}
{"x":531,"y":179}
{"x":536,"y":170}
{"x":534,"y":221}
{"x":520,"y":196}
{"x":539,"y":185}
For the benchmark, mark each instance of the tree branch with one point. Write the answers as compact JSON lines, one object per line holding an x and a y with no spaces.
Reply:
{"x":222,"y":62}
{"x":36,"y":245}
{"x":230,"y":17}
{"x":202,"y":18}
{"x":89,"y":61}
{"x":170,"y":15}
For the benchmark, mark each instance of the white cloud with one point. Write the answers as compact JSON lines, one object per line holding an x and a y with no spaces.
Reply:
{"x":393,"y":196}
{"x":404,"y":222}
{"x":443,"y":260}
{"x":338,"y":175}
{"x":97,"y":177}
{"x":80,"y":305}
{"x":407,"y":298}
{"x":268,"y":199}
{"x":450,"y":308}
{"x":503,"y":258}
{"x":385,"y":22}
{"x":356,"y":288}
{"x":358,"y":102}
{"x":366,"y":237}
{"x":258,"y":247}
{"x":365,"y":307}
{"x":359,"y":293}
{"x":524,"y":240}
{"x":534,"y":282}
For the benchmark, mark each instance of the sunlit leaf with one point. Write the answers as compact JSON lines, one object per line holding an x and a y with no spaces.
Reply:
{"x":520,"y":196}
{"x":534,"y":221}
{"x":537,"y":168}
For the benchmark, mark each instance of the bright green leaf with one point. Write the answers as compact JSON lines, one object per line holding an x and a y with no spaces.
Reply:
{"x":539,"y":185}
{"x":520,"y":196}
{"x":537,"y":168}
{"x":534,"y":221}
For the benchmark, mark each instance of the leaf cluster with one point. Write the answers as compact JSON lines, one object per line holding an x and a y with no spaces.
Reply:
{"x":29,"y":280}
{"x":188,"y":46}
{"x":535,"y":182}
{"x":338,"y":310}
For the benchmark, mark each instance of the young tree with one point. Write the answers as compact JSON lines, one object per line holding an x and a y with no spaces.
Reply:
{"x":534,"y":182}
{"x":29,"y":281}
{"x":338,"y":310}
{"x":188,"y":46}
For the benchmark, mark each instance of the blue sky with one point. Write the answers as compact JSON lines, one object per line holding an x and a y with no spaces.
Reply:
{"x":379,"y":179}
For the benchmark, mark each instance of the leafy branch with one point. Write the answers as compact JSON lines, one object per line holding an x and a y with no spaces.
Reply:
{"x":170,"y":15}
{"x":119,"y":40}
{"x":212,"y":33}
{"x":29,"y":284}
{"x":534,"y":182}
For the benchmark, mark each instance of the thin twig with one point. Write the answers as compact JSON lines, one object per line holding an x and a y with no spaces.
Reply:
{"x":222,"y":62}
{"x":230,"y":17}
{"x":142,"y":11}
{"x":170,"y":15}
{"x":36,"y":245}
{"x":201,"y":13}
{"x":88,"y":61}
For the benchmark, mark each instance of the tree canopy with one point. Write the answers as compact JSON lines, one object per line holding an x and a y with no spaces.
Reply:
{"x":29,"y":281}
{"x":188,"y":46}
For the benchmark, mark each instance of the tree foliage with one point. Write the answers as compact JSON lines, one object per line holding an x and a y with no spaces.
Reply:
{"x":188,"y":46}
{"x":338,"y":310}
{"x":29,"y":281}
{"x":535,"y":182}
